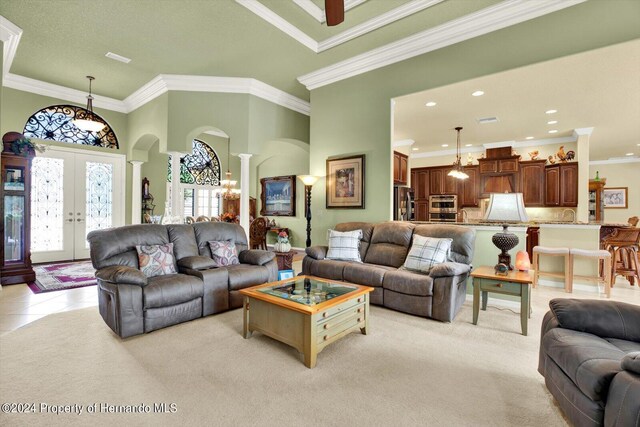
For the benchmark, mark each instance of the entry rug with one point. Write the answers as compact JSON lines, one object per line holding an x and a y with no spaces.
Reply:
{"x":58,"y":277}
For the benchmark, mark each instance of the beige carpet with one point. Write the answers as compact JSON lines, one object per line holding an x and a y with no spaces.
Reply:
{"x":407,"y":371}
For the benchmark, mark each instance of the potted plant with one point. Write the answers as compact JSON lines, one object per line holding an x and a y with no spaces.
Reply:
{"x":282,"y":245}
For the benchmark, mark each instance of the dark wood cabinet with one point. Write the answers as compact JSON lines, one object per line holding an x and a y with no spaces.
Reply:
{"x":532,"y":182}
{"x":421,"y":210}
{"x":400,"y":168}
{"x":596,"y":204}
{"x":488,"y":166}
{"x":470,"y":187}
{"x":233,"y":206}
{"x":450,"y":183}
{"x":420,"y":183}
{"x":441,"y":183}
{"x":561,"y":185}
{"x":533,"y":237}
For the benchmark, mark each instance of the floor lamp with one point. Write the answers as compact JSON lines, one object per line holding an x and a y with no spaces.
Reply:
{"x":308,"y":181}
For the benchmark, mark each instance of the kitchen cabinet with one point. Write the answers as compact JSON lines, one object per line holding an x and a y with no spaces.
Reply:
{"x":421,"y":210}
{"x":508,"y":165}
{"x":533,"y":237}
{"x":441,"y":183}
{"x":400,"y":168}
{"x":470,"y":187}
{"x":532,"y":174}
{"x":561,"y":185}
{"x":420,"y":183}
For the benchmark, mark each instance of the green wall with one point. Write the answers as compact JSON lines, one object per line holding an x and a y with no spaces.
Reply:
{"x":353,"y":116}
{"x":620,"y":175}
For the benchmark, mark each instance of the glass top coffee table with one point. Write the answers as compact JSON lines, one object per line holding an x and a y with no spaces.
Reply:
{"x":306,"y":312}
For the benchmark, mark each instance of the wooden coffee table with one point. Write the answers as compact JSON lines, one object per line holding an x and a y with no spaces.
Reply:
{"x":306,"y":312}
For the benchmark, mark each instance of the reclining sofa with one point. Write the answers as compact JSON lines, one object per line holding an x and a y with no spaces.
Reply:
{"x":383,"y":249}
{"x":132,"y":303}
{"x":590,"y":360}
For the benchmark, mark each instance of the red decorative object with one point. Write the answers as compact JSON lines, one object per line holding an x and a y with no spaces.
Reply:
{"x":229,"y":217}
{"x":522,"y":261}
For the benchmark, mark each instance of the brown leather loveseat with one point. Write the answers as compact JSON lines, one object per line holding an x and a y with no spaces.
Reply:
{"x":132,"y":303}
{"x":383,"y":249}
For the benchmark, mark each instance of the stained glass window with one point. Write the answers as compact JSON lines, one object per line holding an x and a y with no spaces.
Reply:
{"x":55,"y":123}
{"x":202,"y":167}
{"x":47,"y":200}
{"x":99,"y":208}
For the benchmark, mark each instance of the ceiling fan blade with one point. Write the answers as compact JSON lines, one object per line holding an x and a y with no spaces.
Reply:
{"x":334,"y":10}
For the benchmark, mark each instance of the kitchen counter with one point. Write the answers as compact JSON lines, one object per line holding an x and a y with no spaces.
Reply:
{"x":480,"y":223}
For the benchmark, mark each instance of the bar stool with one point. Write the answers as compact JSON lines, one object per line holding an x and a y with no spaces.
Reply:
{"x":549,"y":251}
{"x":623,"y":245}
{"x":604,"y":274}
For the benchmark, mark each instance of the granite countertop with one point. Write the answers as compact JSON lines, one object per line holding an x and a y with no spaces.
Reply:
{"x":532,"y":223}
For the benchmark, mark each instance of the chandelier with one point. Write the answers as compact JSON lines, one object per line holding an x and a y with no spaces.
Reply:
{"x":457,"y":171}
{"x":89,"y":123}
{"x":228,"y":190}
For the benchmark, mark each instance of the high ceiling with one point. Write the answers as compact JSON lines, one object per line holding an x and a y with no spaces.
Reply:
{"x":599,"y":89}
{"x":63,"y":41}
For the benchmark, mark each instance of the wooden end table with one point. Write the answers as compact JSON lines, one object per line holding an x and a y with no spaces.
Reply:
{"x":307,"y":313}
{"x":285,"y":260}
{"x":516,"y":283}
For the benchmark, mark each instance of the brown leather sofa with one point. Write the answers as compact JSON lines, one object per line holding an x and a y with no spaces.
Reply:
{"x":383,"y":249}
{"x":132,"y":304}
{"x":590,"y":360}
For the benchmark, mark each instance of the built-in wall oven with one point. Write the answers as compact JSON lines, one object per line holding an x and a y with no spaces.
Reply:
{"x":443,"y":208}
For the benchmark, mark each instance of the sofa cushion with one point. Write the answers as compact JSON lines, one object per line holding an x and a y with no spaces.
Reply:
{"x":326,"y":268}
{"x":365,"y":274}
{"x":223,"y":253}
{"x":344,"y":245}
{"x":406,"y":282}
{"x":589,"y":361}
{"x":171,"y":289}
{"x":464,"y":239}
{"x":156,"y":260}
{"x":244,"y":275}
{"x":426,"y":252}
{"x":389,"y":243}
{"x":207,"y":231}
{"x":367,"y":232}
{"x":624,"y":345}
{"x":117,"y":246}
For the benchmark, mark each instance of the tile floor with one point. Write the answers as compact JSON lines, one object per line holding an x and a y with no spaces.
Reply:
{"x":19,"y":306}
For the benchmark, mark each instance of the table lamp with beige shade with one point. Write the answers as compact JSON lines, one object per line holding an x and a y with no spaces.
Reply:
{"x":506,"y":208}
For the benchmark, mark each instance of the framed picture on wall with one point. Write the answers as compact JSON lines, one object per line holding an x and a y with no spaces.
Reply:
{"x":278,"y":197}
{"x":345,"y":182}
{"x":615,"y":197}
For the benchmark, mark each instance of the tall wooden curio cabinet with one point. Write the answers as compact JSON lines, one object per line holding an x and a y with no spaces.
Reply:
{"x":15,"y":210}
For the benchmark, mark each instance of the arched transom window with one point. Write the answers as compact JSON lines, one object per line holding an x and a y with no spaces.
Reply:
{"x":199,"y":178}
{"x":55,"y":123}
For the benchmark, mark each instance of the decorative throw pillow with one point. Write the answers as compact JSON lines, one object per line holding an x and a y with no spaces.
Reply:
{"x":426,"y":252}
{"x":223,"y":253}
{"x":156,"y":260}
{"x":344,"y":245}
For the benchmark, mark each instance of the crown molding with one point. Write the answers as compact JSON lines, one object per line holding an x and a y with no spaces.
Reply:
{"x":493,"y":18}
{"x":10,"y":35}
{"x":318,"y":14}
{"x":452,"y":152}
{"x":615,"y":161}
{"x":403,"y":143}
{"x":39,"y":87}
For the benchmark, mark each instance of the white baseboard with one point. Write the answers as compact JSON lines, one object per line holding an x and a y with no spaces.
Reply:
{"x":576,"y":286}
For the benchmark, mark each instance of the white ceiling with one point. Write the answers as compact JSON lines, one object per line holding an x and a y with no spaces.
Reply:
{"x":599,"y":89}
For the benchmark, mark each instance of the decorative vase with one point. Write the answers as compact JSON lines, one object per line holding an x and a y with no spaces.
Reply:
{"x":282,"y":247}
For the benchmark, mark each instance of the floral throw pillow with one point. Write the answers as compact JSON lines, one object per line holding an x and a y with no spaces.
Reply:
{"x":156,"y":260}
{"x":223,"y":253}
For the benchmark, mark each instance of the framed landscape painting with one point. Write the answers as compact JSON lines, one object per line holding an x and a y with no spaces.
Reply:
{"x":345,"y":183}
{"x":615,"y":197}
{"x":278,"y":196}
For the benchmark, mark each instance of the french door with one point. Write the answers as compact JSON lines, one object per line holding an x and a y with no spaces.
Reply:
{"x":73,"y":193}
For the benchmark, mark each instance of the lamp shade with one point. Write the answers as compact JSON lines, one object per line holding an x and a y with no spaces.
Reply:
{"x":506,"y":207}
{"x":308,"y":179}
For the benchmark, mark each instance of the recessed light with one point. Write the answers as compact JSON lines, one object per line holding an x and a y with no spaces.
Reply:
{"x":415,"y":149}
{"x":629,"y":154}
{"x":477,"y":93}
{"x":553,"y":131}
{"x":117,"y":57}
{"x":430,"y":104}
{"x":551,"y":111}
{"x":445,"y":145}
{"x":529,"y":137}
{"x":552,"y":122}
{"x":468,"y":145}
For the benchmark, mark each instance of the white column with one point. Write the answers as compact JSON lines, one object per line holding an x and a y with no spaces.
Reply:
{"x":136,"y":192}
{"x":176,"y":204}
{"x":582,"y":156}
{"x":244,"y":191}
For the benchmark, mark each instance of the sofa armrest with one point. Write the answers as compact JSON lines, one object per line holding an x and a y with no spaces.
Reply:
{"x":631,"y":362}
{"x":122,"y":274}
{"x":317,"y":252}
{"x":256,"y":256}
{"x":196,"y":263}
{"x":449,"y":268}
{"x":608,"y":319}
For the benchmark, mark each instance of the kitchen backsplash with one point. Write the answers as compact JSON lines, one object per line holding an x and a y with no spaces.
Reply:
{"x":534,"y":214}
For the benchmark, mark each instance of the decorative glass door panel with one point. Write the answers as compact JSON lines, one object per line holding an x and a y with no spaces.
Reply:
{"x":99,"y":203}
{"x":47,"y":204}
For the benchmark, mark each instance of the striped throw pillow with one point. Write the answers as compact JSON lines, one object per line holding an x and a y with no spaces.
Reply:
{"x":426,"y":252}
{"x":344,"y":245}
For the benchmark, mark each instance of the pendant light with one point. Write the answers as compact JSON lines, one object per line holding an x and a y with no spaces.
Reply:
{"x":457,"y":171}
{"x":89,"y":123}
{"x":229,"y":192}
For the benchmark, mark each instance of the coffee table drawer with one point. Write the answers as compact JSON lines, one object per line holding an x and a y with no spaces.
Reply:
{"x":339,"y":325}
{"x":502,"y":287}
{"x":326,"y":315}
